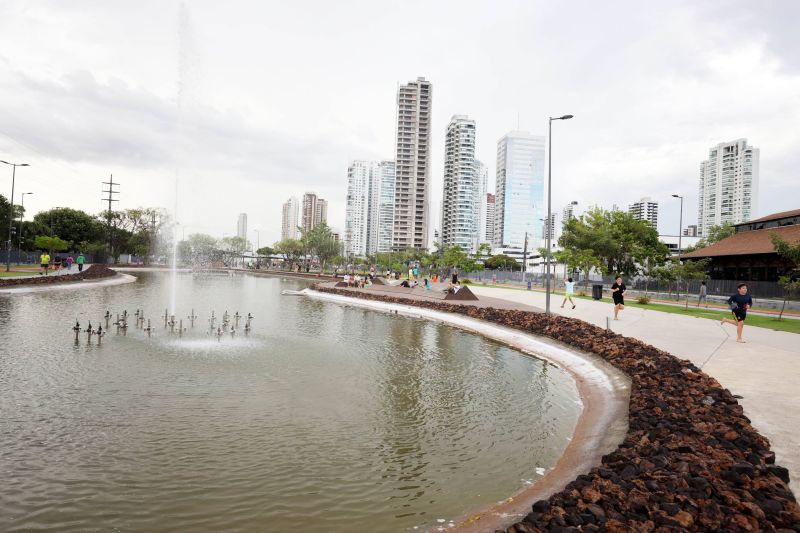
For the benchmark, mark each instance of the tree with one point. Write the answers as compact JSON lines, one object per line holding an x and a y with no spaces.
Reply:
{"x":581,"y":260}
{"x":290,"y":249}
{"x":715,"y":234}
{"x":266,"y":250}
{"x":791,"y":253}
{"x":51,"y":244}
{"x":200,"y":250}
{"x":501,"y":261}
{"x":72,"y":225}
{"x":454,"y":257}
{"x":619,"y":241}
{"x":689,"y":270}
{"x":320,"y":242}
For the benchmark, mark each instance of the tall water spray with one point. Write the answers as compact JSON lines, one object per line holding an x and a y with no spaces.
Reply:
{"x":184,"y":82}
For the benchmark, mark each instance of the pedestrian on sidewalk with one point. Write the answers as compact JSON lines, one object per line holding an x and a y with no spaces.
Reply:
{"x":739,"y":304}
{"x":70,"y":260}
{"x":80,"y":260}
{"x":44,"y":262}
{"x":569,"y":291}
{"x":703,"y":294}
{"x":618,"y":295}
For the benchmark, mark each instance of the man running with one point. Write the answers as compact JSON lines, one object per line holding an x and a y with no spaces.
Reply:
{"x":44,"y":262}
{"x":617,"y":294}
{"x":569,"y":290}
{"x":739,"y":303}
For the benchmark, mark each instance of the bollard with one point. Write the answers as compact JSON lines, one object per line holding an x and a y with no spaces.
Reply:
{"x":608,"y":323}
{"x":529,"y":284}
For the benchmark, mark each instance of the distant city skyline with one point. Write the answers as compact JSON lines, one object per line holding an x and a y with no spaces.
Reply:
{"x":179,"y":98}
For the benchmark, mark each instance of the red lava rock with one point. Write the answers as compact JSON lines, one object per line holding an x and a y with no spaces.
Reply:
{"x":691,"y":460}
{"x":96,"y":271}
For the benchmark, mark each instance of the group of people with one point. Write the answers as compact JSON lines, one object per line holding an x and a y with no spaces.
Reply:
{"x":59,"y":263}
{"x":357,"y":281}
{"x":739,"y":303}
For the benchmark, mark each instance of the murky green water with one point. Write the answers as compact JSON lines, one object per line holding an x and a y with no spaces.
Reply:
{"x":324,"y":418}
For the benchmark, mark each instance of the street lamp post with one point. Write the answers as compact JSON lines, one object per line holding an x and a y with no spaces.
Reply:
{"x":21,"y":215}
{"x":549,"y":202}
{"x":11,"y":209}
{"x":680,"y":227}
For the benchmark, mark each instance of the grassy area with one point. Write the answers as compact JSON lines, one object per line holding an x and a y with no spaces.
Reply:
{"x":4,"y":274}
{"x":787,"y":324}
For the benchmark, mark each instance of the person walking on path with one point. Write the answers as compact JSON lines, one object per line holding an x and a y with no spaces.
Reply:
{"x":618,"y":295}
{"x":70,"y":260}
{"x":569,"y":290}
{"x":81,"y":260}
{"x":739,"y":304}
{"x":703,"y":294}
{"x":44,"y":262}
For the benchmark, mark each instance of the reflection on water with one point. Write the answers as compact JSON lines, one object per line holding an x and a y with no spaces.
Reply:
{"x":325,"y":416}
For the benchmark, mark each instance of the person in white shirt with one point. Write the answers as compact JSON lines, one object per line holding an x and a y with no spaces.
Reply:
{"x":569,"y":290}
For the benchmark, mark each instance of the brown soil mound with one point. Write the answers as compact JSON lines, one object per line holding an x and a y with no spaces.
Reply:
{"x":690,"y":461}
{"x":95,"y":271}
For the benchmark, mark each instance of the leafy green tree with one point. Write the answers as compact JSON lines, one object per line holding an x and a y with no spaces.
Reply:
{"x":791,"y":253}
{"x":455,"y":257}
{"x":290,"y":249}
{"x":617,"y":239}
{"x":715,"y":234}
{"x":689,"y":270}
{"x":320,"y":242}
{"x":501,"y":261}
{"x":51,"y":244}
{"x":72,"y":225}
{"x":266,"y":250}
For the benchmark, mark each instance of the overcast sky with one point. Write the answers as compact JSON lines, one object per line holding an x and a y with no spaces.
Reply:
{"x":248,"y":103}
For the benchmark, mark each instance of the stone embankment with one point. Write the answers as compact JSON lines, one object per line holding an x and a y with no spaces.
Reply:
{"x":95,"y":271}
{"x":690,"y":461}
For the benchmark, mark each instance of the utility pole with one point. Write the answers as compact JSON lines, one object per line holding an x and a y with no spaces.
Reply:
{"x":525,"y":257}
{"x":111,"y":192}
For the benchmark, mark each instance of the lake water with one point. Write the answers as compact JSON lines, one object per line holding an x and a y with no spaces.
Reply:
{"x":325,"y":417}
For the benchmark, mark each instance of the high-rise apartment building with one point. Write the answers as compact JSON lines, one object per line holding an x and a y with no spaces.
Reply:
{"x":460,"y":199}
{"x":568,"y":213}
{"x":728,"y":185}
{"x":290,"y":219}
{"x":519,"y":194}
{"x":690,"y":231}
{"x":645,"y":209}
{"x":482,"y":174}
{"x":551,"y":227}
{"x":489,"y":233}
{"x":386,"y":206}
{"x":314,"y":211}
{"x":368,"y":215}
{"x":412,"y":162}
{"x":241,"y":226}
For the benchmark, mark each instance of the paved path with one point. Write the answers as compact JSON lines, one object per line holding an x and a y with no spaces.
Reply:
{"x":765,"y":370}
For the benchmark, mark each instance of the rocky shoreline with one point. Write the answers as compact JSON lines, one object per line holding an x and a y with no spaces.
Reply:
{"x":95,"y":271}
{"x":690,"y":461}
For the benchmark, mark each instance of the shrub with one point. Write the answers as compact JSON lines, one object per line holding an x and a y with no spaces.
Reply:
{"x":643,"y":299}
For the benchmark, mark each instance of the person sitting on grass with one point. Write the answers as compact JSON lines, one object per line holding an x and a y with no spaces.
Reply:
{"x":739,"y":304}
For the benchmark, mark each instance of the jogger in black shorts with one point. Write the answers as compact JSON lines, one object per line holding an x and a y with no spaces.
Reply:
{"x":740,"y":303}
{"x":618,"y":295}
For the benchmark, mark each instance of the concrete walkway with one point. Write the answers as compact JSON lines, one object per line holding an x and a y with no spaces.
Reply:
{"x":765,"y":371}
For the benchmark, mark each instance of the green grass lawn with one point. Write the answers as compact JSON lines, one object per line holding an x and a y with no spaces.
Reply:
{"x":4,"y":274}
{"x":787,"y":324}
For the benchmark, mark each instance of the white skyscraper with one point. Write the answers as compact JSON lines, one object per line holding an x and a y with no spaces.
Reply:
{"x":645,"y":209}
{"x":482,"y":174}
{"x":386,"y":206}
{"x":363,"y":209}
{"x":519,"y":195}
{"x":489,"y":235}
{"x":728,"y":185}
{"x":460,"y":201}
{"x":412,"y":162}
{"x":568,"y":213}
{"x":241,"y":226}
{"x":291,"y":213}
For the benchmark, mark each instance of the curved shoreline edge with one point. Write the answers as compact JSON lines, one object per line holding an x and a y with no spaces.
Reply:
{"x":604,"y":392}
{"x":116,"y":279}
{"x":690,"y":459}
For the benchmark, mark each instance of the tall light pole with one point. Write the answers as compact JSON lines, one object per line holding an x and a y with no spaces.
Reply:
{"x":680,"y":227}
{"x":11,"y":209}
{"x":549,"y":202}
{"x":21,"y":215}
